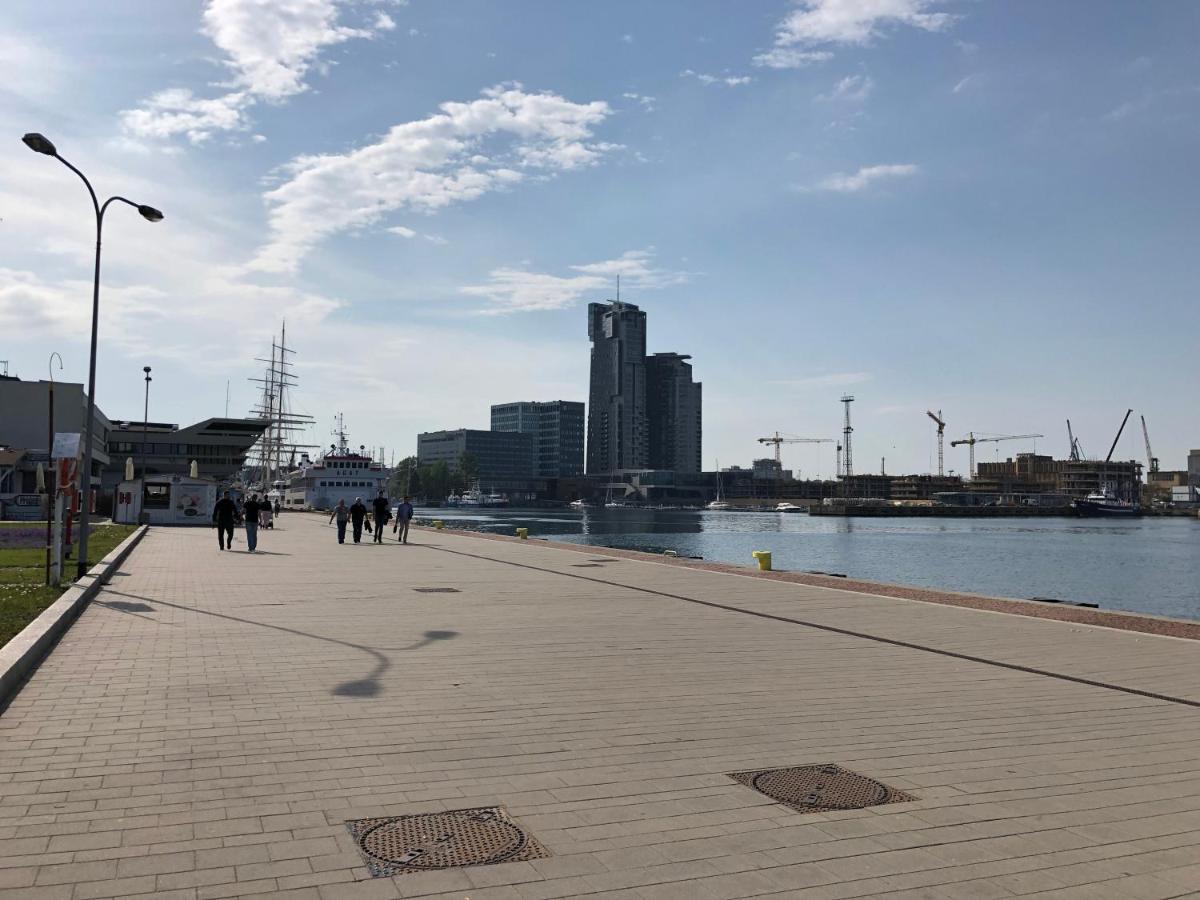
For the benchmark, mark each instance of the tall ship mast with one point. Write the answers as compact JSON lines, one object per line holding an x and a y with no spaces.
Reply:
{"x":275,"y":453}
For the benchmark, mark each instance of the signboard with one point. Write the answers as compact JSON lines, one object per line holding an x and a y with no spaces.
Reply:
{"x":66,"y":445}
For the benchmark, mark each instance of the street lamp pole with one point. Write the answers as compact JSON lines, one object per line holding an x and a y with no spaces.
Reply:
{"x":145,"y":423}
{"x":40,"y":144}
{"x":51,"y":500}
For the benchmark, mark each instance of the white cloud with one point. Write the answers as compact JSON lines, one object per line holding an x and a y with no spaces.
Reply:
{"x":646,"y":102}
{"x":852,"y":88}
{"x":729,"y":80}
{"x":460,"y":154}
{"x":815,"y":23}
{"x":269,"y":49}
{"x":627,"y":39}
{"x":864,"y":177}
{"x":520,"y":290}
{"x":832,"y":379}
{"x":790,"y":58}
{"x":962,"y":85}
{"x":402,"y":231}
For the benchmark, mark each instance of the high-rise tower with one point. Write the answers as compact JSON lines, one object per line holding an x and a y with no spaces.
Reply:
{"x":847,"y":431}
{"x":673,"y":413}
{"x":617,"y":425}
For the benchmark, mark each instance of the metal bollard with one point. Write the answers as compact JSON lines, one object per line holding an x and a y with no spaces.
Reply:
{"x":764,"y":559}
{"x":523,"y":533}
{"x":439,"y":524}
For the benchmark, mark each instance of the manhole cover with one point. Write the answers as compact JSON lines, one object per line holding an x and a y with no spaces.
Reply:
{"x":402,"y":845}
{"x":586,"y":566}
{"x":820,"y":788}
{"x":437,"y":590}
{"x":602,"y":560}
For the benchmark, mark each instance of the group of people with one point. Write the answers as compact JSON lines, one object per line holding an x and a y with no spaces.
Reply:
{"x":253,"y":512}
{"x":355,"y":515}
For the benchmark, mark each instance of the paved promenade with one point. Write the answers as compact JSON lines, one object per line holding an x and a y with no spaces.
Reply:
{"x":210,"y":725}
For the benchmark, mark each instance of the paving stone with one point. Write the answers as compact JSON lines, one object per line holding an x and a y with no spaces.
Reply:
{"x":222,"y":737}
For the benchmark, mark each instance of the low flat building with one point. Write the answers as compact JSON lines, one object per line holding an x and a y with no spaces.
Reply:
{"x":1033,"y":473}
{"x":218,"y":447}
{"x":499,"y":456}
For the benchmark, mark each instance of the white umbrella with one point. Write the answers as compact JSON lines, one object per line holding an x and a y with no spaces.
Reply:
{"x":194,"y":472}
{"x":129,"y":468}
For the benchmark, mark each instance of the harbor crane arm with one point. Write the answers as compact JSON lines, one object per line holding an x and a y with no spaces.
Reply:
{"x":777,"y":439}
{"x":1151,"y":459}
{"x":1118,"y":437}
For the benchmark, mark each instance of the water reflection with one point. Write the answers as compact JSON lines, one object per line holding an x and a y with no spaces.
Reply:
{"x":1149,"y":565}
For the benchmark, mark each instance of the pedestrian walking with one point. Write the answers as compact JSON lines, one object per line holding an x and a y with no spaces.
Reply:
{"x":250,"y":510}
{"x":358,"y":515}
{"x":404,"y":514}
{"x":383,"y":512}
{"x":276,"y":507}
{"x":342,"y":513}
{"x":224,"y":515}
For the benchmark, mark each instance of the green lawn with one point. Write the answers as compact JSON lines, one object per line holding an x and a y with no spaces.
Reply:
{"x":23,"y":592}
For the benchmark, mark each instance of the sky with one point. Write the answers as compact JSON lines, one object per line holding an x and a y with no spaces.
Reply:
{"x":981,"y":207}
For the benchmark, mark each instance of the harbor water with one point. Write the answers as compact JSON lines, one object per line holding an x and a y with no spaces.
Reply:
{"x":1149,"y":565}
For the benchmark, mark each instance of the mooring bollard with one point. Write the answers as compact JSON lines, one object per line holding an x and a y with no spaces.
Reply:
{"x":764,"y":559}
{"x":523,"y":533}
{"x":439,"y":524}
{"x":671,"y":553}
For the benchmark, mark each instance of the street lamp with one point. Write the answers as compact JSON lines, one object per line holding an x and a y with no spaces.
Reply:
{"x":145,"y":423}
{"x":40,"y":144}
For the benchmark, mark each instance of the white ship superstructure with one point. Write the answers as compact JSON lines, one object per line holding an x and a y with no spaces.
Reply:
{"x":338,"y":475}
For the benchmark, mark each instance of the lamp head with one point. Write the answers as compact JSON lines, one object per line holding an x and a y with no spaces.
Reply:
{"x":39,"y":143}
{"x":149,"y":213}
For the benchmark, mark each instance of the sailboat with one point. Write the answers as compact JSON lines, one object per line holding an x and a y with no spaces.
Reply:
{"x":609,"y":502}
{"x":719,"y":503}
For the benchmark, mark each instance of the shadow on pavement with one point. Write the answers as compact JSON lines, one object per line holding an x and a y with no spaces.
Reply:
{"x":363,"y":687}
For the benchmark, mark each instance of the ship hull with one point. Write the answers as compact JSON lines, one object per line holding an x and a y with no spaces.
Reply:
{"x":1094,"y":508}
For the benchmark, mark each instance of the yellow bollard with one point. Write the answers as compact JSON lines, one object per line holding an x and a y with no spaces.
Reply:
{"x":764,"y":559}
{"x":523,"y":533}
{"x":438,"y":524}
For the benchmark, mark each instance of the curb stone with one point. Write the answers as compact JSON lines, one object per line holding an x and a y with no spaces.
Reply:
{"x":22,"y":654}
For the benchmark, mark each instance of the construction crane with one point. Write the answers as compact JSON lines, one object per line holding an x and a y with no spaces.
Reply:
{"x":1076,"y":450}
{"x":1151,"y":459}
{"x":1118,"y":437}
{"x":941,"y":424}
{"x":970,"y":440}
{"x":778,"y":439}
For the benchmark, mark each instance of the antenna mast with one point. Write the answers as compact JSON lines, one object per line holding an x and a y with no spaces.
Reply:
{"x":847,"y":431}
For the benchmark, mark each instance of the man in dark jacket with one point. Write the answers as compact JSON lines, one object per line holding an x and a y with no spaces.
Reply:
{"x":382,"y":513}
{"x":404,"y":514}
{"x":250,"y":513}
{"x":224,"y":515}
{"x":358,"y":513}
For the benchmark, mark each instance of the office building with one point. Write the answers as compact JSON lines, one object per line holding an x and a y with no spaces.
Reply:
{"x":672,"y":413}
{"x":557,"y":428}
{"x":617,"y":435}
{"x":1194,"y":468}
{"x":500,"y":456}
{"x":25,"y":420}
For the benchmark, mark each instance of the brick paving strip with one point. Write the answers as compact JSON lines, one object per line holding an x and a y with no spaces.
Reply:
{"x":226,"y":724}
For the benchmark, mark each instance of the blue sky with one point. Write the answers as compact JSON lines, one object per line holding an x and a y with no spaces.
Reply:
{"x":988,"y":208}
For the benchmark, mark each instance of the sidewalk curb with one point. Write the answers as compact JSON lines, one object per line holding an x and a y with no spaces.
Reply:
{"x":22,"y":654}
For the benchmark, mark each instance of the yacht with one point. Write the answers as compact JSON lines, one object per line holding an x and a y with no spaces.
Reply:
{"x":788,"y":508}
{"x":719,"y":503}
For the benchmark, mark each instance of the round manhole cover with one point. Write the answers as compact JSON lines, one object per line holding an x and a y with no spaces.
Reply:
{"x":821,"y":787}
{"x":443,"y":841}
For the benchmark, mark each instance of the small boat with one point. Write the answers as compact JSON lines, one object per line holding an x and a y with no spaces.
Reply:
{"x":577,"y":504}
{"x":494,"y":499}
{"x":719,"y":503}
{"x":788,"y":508}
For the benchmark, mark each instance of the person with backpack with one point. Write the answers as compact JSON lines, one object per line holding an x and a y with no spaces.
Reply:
{"x":404,"y":514}
{"x":380,"y":507}
{"x":342,"y":513}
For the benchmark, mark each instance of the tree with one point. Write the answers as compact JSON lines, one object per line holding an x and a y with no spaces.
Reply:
{"x":404,"y":478}
{"x":468,"y":470}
